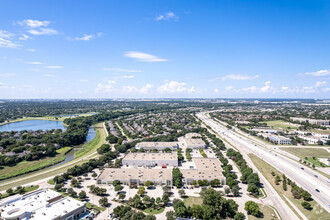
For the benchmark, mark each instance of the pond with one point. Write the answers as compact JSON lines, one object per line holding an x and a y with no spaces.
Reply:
{"x":32,"y":125}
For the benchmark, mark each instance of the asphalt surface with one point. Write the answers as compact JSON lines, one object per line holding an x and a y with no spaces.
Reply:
{"x":303,"y":177}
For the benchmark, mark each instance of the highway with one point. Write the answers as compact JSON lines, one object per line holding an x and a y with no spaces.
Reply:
{"x":292,"y":169}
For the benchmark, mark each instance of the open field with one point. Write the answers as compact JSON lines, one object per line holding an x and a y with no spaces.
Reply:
{"x":307,"y":152}
{"x":30,"y":166}
{"x":280,"y":125}
{"x":41,"y":174}
{"x":191,"y":200}
{"x":267,"y":213}
{"x":266,"y":169}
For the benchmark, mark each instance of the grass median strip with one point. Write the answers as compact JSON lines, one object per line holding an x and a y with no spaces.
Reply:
{"x":266,"y":169}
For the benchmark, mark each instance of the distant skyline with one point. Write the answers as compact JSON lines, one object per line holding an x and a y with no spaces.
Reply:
{"x":164,"y":49}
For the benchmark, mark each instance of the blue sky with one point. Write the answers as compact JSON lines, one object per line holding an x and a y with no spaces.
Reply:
{"x":164,"y":49}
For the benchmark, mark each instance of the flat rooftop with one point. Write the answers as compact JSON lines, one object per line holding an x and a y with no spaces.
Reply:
{"x":135,"y":173}
{"x":194,"y":142}
{"x":206,"y":168}
{"x":151,"y":156}
{"x":157,"y":145}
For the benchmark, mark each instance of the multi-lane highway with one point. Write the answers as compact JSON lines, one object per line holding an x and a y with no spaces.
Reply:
{"x":305,"y":178}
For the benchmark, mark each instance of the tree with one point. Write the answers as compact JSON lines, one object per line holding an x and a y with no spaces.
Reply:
{"x":239,"y":216}
{"x":10,"y":191}
{"x":227,"y":191}
{"x":235,"y":191}
{"x":121,"y":196}
{"x":306,"y":195}
{"x":116,"y":182}
{"x":252,"y":188}
{"x":177,"y":177}
{"x":194,"y":183}
{"x":252,"y":208}
{"x":94,"y":175}
{"x":215,"y":182}
{"x":306,"y":205}
{"x":197,"y":211}
{"x":148,"y":184}
{"x":141,"y":190}
{"x":118,"y":188}
{"x":74,"y":182}
{"x":104,"y":202}
{"x":170,"y":215}
{"x":82,"y":195}
{"x":182,"y":193}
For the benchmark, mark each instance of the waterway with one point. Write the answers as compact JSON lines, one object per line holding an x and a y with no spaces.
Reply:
{"x":33,"y":125}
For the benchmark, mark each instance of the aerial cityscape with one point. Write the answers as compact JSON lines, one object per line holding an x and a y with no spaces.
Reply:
{"x":169,"y":110}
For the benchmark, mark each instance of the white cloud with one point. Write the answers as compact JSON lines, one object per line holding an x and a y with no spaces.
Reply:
{"x":122,"y":70}
{"x":6,"y":40}
{"x":2,"y":85}
{"x":239,"y":77}
{"x":7,"y":74}
{"x":251,"y":89}
{"x":145,"y":89}
{"x":83,"y":80}
{"x":266,"y":88}
{"x":87,"y":37}
{"x":54,"y":67}
{"x":126,"y":77}
{"x":48,"y":75}
{"x":175,"y":87}
{"x":43,"y":31}
{"x":33,"y":23}
{"x":228,"y":88}
{"x":108,"y":87}
{"x":319,"y":73}
{"x":143,"y":57}
{"x":31,"y":50}
{"x":216,"y":90}
{"x":320,"y":83}
{"x":167,"y":17}
{"x":33,"y":62}
{"x":24,"y":37}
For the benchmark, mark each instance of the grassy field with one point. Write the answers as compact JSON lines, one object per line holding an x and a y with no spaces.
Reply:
{"x":266,"y":170}
{"x":41,"y":174}
{"x":267,"y":213}
{"x":191,"y":200}
{"x":27,"y":189}
{"x":316,"y":162}
{"x":30,"y":166}
{"x":279,"y":124}
{"x":321,"y":131}
{"x":307,"y":152}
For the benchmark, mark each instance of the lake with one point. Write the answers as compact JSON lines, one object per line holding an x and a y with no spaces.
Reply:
{"x":32,"y":125}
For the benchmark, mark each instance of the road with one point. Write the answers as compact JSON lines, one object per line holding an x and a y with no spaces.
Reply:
{"x":292,"y":169}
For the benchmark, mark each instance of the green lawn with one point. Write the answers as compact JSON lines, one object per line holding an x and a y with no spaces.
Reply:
{"x":307,"y":152}
{"x":316,"y":162}
{"x":91,"y":205}
{"x":266,"y":170}
{"x":27,"y":189}
{"x":30,"y":166}
{"x":321,"y":131}
{"x":191,"y":200}
{"x":279,"y":124}
{"x":267,"y":213}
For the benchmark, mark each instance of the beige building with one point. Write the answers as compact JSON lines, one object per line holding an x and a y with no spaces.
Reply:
{"x":42,"y":204}
{"x":157,"y":145}
{"x":312,"y":121}
{"x":150,"y":159}
{"x":194,"y":143}
{"x":193,"y":135}
{"x":206,"y":169}
{"x":136,"y":176}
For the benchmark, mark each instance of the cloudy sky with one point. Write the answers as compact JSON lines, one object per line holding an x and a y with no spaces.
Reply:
{"x":164,"y":49}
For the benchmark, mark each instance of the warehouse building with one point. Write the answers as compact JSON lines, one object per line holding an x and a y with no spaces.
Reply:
{"x":136,"y":176}
{"x":205,"y":169}
{"x":194,"y":143}
{"x":42,"y":204}
{"x":157,"y":145}
{"x":150,"y":159}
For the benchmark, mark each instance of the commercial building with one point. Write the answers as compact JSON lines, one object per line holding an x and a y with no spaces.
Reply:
{"x":151,"y":159}
{"x":193,"y":135}
{"x":136,"y":176}
{"x":279,"y":139}
{"x":312,"y":121}
{"x":194,"y":143}
{"x":312,"y":139}
{"x":157,"y":145}
{"x":42,"y":204}
{"x":205,"y":169}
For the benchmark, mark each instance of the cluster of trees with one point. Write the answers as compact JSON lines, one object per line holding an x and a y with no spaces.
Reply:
{"x":177,"y":177}
{"x":188,"y":155}
{"x":216,"y":141}
{"x":99,"y":191}
{"x":214,"y":206}
{"x":248,"y":176}
{"x":213,"y":183}
{"x":179,"y":153}
{"x":148,"y":202}
{"x":201,"y":151}
{"x":252,"y":208}
{"x":127,"y":213}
